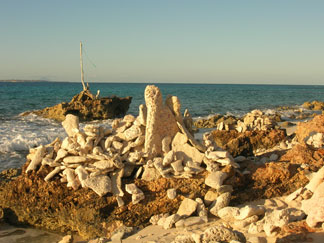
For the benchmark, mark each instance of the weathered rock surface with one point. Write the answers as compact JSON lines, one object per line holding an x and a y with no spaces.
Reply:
{"x":306,"y":129}
{"x":247,"y":143}
{"x":87,"y":107}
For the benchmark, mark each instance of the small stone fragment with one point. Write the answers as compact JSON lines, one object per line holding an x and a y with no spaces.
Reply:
{"x":99,"y":184}
{"x":187,"y":207}
{"x":37,"y":159}
{"x":222,"y":201}
{"x":172,"y":193}
{"x":215,"y":179}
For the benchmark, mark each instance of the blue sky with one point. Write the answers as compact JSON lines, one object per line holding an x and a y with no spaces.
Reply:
{"x":207,"y":41}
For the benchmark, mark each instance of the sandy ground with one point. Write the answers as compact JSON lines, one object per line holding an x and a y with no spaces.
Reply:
{"x":11,"y":234}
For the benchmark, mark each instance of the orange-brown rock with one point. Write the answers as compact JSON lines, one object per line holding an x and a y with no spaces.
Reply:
{"x":29,"y":200}
{"x":305,"y":129}
{"x":268,"y":180}
{"x":248,"y":142}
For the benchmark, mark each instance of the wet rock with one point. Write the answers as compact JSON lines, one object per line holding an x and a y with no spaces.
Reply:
{"x":187,"y":207}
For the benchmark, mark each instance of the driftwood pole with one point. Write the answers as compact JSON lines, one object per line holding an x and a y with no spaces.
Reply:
{"x":81,"y":65}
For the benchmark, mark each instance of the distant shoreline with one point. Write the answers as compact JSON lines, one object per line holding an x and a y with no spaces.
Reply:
{"x":23,"y":81}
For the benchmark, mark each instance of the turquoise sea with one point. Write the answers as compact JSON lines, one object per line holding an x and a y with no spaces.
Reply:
{"x":18,"y":134}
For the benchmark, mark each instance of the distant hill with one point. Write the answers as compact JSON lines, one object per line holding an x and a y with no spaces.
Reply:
{"x":22,"y":81}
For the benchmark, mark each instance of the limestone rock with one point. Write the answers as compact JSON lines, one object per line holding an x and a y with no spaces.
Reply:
{"x":177,"y":166}
{"x":166,"y":144}
{"x":99,"y":184}
{"x":160,"y":121}
{"x":37,"y":159}
{"x":150,"y":174}
{"x":275,"y":219}
{"x":172,"y":193}
{"x":306,"y":129}
{"x":74,"y":159}
{"x":228,"y":213}
{"x":221,"y":234}
{"x":249,"y":211}
{"x":179,"y":139}
{"x":52,"y":173}
{"x":222,"y":201}
{"x":245,"y":222}
{"x":170,"y":221}
{"x":132,"y":189}
{"x":314,"y":207}
{"x":316,"y":180}
{"x":215,"y":179}
{"x":201,"y":209}
{"x":210,"y":197}
{"x":168,"y":158}
{"x":71,"y":124}
{"x":187,"y":207}
{"x":66,"y":239}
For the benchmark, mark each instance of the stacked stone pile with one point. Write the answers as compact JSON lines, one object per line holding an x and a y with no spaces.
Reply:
{"x":157,"y":143}
{"x":254,"y":120}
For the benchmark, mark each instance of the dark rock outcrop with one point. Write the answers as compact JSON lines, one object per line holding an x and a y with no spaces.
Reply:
{"x":87,"y":107}
{"x":246,"y":143}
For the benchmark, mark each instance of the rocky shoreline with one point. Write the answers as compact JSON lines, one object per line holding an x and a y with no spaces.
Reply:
{"x":111,"y":183}
{"x":87,"y":107}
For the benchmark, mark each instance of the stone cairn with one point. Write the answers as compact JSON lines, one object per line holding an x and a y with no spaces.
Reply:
{"x":157,"y":143}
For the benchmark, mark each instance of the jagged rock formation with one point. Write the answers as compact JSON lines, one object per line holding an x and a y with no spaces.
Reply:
{"x":87,"y":107}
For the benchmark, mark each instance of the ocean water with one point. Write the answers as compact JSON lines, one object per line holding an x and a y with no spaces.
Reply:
{"x":18,"y":134}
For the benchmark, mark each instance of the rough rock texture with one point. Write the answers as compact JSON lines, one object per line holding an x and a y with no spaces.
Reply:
{"x":268,"y":180}
{"x":314,"y":105}
{"x":221,"y":234}
{"x":314,"y":207}
{"x":87,"y":107}
{"x":29,"y":200}
{"x":305,"y":129}
{"x":246,"y":143}
{"x":160,"y":121}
